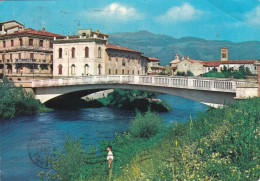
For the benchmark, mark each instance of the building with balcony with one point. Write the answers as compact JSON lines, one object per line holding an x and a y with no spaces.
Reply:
{"x":27,"y":54}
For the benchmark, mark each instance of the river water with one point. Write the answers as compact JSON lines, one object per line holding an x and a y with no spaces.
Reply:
{"x":25,"y":138}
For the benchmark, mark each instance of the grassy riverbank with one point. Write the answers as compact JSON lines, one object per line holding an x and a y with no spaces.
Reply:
{"x":132,"y":100}
{"x":220,"y":144}
{"x":15,"y":101}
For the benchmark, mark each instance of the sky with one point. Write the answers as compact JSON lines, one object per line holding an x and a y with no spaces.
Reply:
{"x":232,"y":20}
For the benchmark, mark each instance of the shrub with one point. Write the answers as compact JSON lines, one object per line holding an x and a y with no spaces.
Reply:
{"x":189,"y":73}
{"x":16,"y":101}
{"x":146,"y":125}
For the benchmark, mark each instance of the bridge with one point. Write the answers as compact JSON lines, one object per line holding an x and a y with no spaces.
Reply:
{"x":210,"y":91}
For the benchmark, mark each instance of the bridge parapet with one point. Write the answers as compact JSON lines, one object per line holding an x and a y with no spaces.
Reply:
{"x":199,"y":83}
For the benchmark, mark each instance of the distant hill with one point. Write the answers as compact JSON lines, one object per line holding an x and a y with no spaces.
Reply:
{"x":165,"y":47}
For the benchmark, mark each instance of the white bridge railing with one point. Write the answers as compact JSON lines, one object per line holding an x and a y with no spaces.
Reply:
{"x":199,"y":83}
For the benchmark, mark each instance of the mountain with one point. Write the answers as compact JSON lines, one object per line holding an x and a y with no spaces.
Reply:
{"x":165,"y":47}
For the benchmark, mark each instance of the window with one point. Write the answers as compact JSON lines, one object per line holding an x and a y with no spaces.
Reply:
{"x":116,"y":71}
{"x":73,"y":52}
{"x":86,"y":52}
{"x":109,"y":58}
{"x":19,"y":55}
{"x":99,"y":69}
{"x":32,"y":56}
{"x":11,"y":57}
{"x":109,"y":71}
{"x":51,"y":58}
{"x":21,"y":41}
{"x":12,"y":43}
{"x":123,"y":63}
{"x":41,"y":43}
{"x":133,"y":72}
{"x":224,"y":55}
{"x":128,"y":72}
{"x":86,"y":69}
{"x":1,"y":27}
{"x":60,"y":69}
{"x":99,"y":52}
{"x":3,"y":57}
{"x":51,"y":45}
{"x":209,"y":69}
{"x":4,"y":44}
{"x":60,"y":52}
{"x":30,"y":42}
{"x":73,"y":69}
{"x":138,"y":72}
{"x":123,"y":71}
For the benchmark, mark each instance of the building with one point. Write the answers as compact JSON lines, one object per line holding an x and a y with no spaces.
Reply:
{"x":198,"y":67}
{"x":153,"y":66}
{"x":27,"y":54}
{"x":89,"y":53}
{"x":122,"y":60}
{"x":9,"y":27}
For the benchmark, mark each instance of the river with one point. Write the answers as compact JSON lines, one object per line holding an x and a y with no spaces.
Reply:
{"x":30,"y":136}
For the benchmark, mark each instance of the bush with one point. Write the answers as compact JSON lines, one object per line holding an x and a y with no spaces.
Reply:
{"x":189,"y":73}
{"x":16,"y":101}
{"x":146,"y":125}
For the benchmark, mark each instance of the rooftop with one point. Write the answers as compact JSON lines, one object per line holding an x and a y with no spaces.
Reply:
{"x":36,"y":32}
{"x":117,"y":47}
{"x":153,"y":59}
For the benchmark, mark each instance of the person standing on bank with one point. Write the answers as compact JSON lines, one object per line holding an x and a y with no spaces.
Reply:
{"x":110,"y":156}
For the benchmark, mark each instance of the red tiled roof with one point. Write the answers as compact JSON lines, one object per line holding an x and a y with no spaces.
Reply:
{"x":37,"y":32}
{"x":117,"y":47}
{"x":152,"y":58}
{"x":218,"y":63}
{"x":194,"y":61}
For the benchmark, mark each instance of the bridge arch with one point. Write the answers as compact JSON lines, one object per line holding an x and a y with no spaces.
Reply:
{"x":211,"y":98}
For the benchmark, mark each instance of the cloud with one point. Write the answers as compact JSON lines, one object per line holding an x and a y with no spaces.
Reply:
{"x":253,"y":17}
{"x":114,"y":12}
{"x":185,"y":12}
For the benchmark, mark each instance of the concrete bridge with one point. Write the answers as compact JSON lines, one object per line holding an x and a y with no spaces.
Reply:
{"x":210,"y":91}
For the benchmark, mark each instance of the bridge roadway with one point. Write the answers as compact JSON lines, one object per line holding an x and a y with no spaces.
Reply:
{"x":211,"y":91}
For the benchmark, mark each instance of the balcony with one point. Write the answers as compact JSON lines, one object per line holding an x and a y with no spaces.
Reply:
{"x":27,"y":48}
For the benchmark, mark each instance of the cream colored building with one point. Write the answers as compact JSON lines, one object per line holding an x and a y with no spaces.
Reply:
{"x":198,"y":67}
{"x":79,"y":56}
{"x":89,"y":53}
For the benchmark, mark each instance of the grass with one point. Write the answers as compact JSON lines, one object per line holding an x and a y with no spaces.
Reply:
{"x":220,"y":144}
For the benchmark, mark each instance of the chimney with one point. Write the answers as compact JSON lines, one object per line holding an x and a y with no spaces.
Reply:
{"x":224,"y":54}
{"x":188,"y":58}
{"x":182,"y":58}
{"x":43,"y":29}
{"x":177,"y":57}
{"x":97,"y":31}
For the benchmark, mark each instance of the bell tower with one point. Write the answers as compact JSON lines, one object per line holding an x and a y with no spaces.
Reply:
{"x":224,"y":54}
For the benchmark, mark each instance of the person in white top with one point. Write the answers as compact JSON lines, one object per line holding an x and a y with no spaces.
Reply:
{"x":110,"y":156}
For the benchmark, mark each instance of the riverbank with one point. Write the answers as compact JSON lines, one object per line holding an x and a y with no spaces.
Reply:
{"x":16,"y":101}
{"x":132,"y":100}
{"x":220,"y":144}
